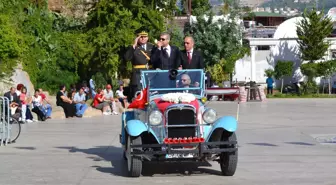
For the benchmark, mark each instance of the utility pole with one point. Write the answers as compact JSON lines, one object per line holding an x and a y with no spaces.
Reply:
{"x":189,"y":7}
{"x":316,"y":1}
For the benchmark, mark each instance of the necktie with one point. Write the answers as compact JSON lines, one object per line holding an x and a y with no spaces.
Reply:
{"x":189,"y":57}
{"x":166,"y":50}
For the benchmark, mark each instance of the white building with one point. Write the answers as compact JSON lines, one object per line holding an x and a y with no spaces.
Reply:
{"x":283,"y":46}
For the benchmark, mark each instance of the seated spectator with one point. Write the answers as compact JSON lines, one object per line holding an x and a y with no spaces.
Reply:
{"x":25,"y":111}
{"x":64,"y":102}
{"x":47,"y":105}
{"x":14,"y":103}
{"x":73,"y":91}
{"x":79,"y":100}
{"x":73,"y":88}
{"x":38,"y":106}
{"x":18,"y":89}
{"x":44,"y":98}
{"x":108,"y":94}
{"x":120,"y":95}
{"x":99,"y":103}
{"x":86,"y":90}
{"x":73,"y":94}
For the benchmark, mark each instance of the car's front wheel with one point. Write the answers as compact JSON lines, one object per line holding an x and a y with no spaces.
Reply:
{"x":228,"y":160}
{"x":134,"y":163}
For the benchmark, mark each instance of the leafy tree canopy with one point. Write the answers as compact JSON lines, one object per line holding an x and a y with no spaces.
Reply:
{"x":311,"y":31}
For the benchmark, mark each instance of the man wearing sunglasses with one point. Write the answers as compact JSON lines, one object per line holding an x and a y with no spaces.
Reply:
{"x":191,"y":58}
{"x":139,"y":54}
{"x":166,"y":57}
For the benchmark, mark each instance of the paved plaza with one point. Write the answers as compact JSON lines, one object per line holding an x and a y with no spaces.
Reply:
{"x":284,"y":141}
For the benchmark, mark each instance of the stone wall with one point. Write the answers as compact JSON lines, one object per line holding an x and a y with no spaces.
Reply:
{"x":56,"y":5}
{"x":78,"y":9}
{"x":19,"y":76}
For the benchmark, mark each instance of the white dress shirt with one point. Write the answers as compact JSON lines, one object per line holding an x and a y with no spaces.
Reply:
{"x":168,"y":50}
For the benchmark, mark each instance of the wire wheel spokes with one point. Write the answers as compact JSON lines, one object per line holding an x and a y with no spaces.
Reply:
{"x":15,"y":130}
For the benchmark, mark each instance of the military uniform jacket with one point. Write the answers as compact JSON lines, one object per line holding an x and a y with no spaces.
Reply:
{"x":138,"y":58}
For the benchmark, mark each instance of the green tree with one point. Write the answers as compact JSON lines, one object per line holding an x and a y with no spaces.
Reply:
{"x":112,"y":27}
{"x":269,"y":73}
{"x":217,"y":40}
{"x":220,"y":42}
{"x":310,"y":70}
{"x":312,"y":31}
{"x":177,"y":36}
{"x":283,"y":69}
{"x":200,"y":7}
{"x":326,"y":69}
{"x":100,"y":80}
{"x":10,"y":47}
{"x":58,"y":49}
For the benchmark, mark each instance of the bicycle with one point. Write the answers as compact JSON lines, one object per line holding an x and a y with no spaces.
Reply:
{"x":14,"y":128}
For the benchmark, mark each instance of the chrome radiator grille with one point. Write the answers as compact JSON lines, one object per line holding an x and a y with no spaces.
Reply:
{"x":181,"y":122}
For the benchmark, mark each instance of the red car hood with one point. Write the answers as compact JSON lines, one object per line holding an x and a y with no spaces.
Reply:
{"x":162,"y":105}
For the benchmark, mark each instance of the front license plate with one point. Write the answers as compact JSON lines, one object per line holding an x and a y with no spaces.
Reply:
{"x":174,"y":156}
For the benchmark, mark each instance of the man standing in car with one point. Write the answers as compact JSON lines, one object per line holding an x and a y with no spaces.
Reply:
{"x":191,"y":58}
{"x":166,"y":57}
{"x":139,"y":54}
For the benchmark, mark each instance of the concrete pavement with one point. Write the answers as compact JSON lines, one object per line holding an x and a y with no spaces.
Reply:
{"x":277,"y":145}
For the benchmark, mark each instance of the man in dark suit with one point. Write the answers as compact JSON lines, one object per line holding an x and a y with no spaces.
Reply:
{"x":166,"y":57}
{"x":191,"y":58}
{"x":139,"y":54}
{"x":14,"y":102}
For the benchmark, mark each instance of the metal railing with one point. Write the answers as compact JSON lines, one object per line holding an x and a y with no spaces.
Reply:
{"x":4,"y":121}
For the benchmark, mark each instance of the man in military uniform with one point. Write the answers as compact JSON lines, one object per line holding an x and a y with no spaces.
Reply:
{"x":139,"y":54}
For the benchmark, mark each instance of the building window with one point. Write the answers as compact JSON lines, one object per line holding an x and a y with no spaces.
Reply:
{"x":333,"y":54}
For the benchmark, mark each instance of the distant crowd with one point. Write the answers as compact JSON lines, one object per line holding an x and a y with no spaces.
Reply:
{"x":21,"y":106}
{"x":74,"y":102}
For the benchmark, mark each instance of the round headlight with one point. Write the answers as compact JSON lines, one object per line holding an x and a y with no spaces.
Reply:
{"x":210,"y":116}
{"x":155,"y":117}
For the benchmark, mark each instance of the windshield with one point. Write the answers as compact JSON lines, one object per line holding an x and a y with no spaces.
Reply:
{"x":159,"y":81}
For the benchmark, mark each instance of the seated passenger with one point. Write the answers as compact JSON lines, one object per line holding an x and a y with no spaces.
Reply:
{"x":186,"y":83}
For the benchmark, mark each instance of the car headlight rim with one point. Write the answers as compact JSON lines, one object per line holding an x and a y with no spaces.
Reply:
{"x":155,"y":117}
{"x":209,"y":116}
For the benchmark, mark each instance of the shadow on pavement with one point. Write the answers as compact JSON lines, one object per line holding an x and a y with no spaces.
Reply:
{"x":26,"y":148}
{"x":300,"y":143}
{"x":104,"y":153}
{"x":263,"y":144}
{"x":119,"y":166}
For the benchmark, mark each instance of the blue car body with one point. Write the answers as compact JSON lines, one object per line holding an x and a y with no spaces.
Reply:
{"x":136,"y":122}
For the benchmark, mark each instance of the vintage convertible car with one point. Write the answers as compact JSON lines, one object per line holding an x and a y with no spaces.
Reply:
{"x":169,"y":121}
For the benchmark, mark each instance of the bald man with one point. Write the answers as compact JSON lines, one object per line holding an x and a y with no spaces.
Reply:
{"x":186,"y":83}
{"x":191,"y":58}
